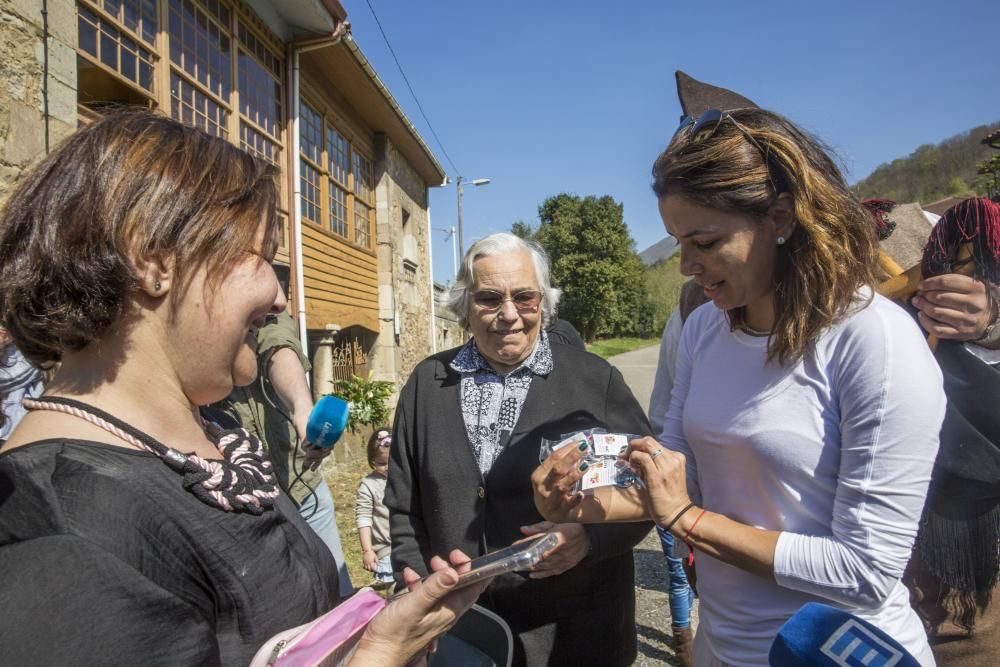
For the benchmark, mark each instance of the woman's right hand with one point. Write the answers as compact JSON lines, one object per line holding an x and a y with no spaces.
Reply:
{"x":409,"y":624}
{"x":369,"y":560}
{"x":664,"y":473}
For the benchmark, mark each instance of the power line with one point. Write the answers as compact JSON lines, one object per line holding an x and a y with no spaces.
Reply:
{"x":415,"y":99}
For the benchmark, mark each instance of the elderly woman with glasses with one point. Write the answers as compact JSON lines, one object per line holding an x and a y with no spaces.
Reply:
{"x":468,"y":429}
{"x":803,"y":423}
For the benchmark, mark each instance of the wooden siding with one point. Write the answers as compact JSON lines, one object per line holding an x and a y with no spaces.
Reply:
{"x":341,"y":278}
{"x":341,"y":281}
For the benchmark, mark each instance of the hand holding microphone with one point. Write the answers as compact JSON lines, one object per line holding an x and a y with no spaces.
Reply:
{"x":327,"y":422}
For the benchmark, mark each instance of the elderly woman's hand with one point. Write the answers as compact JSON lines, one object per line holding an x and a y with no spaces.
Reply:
{"x":572,"y":546}
{"x":665,"y":476}
{"x":408,"y":625}
{"x":553,"y":483}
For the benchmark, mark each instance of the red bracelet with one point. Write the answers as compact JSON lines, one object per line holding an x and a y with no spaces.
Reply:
{"x":691,"y":529}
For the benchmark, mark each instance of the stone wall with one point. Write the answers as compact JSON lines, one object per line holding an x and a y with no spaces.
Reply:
{"x":405,"y":307}
{"x":22,"y":104}
{"x":447,"y":331}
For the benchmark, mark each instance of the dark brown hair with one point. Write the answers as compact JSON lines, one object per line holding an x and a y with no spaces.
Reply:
{"x":133,"y":184}
{"x":754,"y":156}
{"x":375,"y":443}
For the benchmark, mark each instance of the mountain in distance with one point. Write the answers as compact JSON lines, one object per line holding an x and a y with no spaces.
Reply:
{"x":659,"y":251}
{"x":933,"y":171}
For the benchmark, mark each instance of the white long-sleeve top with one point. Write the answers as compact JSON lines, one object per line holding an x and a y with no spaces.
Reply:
{"x":835,"y":452}
{"x":663,"y":383}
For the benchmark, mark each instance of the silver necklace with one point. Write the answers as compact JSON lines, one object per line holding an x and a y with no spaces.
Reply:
{"x":754,"y":332}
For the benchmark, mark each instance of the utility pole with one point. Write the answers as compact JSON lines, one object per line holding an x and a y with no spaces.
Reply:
{"x":461,"y":245}
{"x":450,"y":234}
{"x":458,"y":188}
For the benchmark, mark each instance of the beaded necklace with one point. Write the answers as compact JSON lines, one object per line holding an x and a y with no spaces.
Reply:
{"x":240,"y":482}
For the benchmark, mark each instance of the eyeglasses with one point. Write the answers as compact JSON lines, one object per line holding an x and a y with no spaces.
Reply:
{"x":489,"y":301}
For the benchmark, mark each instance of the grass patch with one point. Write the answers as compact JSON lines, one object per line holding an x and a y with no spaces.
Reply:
{"x":343,"y":478}
{"x":609,"y":347}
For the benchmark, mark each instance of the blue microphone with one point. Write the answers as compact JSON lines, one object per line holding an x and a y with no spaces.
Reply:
{"x":327,"y":421}
{"x":819,"y":635}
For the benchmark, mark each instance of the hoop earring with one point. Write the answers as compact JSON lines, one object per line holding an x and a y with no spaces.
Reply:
{"x":781,"y":240}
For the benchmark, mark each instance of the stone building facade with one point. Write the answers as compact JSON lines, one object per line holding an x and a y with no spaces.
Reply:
{"x":25,"y":91}
{"x":447,"y":331}
{"x":405,"y":300}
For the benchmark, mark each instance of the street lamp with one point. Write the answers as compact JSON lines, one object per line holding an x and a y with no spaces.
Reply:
{"x":454,"y":251}
{"x":458,"y":180}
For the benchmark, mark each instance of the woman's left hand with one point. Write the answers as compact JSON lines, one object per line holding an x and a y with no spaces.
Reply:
{"x":665,"y":475}
{"x":402,"y":631}
{"x":554,"y":485}
{"x":572,"y":546}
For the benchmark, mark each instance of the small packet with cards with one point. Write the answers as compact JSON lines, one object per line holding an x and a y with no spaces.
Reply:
{"x":602,"y":452}
{"x":610,"y":444}
{"x":550,"y":446}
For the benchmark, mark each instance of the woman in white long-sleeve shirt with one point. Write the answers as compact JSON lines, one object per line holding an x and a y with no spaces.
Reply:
{"x":804,"y":418}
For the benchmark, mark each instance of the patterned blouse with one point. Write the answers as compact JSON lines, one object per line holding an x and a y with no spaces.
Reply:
{"x":491,"y":402}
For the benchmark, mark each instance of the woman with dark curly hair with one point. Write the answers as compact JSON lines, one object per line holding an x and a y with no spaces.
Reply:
{"x":134,"y":527}
{"x":804,"y":417}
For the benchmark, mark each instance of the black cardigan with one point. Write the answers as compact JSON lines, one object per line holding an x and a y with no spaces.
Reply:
{"x":439,"y":501}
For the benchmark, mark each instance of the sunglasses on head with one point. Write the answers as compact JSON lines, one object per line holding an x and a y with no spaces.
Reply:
{"x":489,"y":301}
{"x":704,"y":126}
{"x":707,"y":124}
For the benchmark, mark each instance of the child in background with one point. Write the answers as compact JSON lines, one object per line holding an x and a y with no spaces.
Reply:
{"x":372,"y":514}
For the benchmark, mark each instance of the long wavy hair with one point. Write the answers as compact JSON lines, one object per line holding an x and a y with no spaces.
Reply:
{"x":754,"y":156}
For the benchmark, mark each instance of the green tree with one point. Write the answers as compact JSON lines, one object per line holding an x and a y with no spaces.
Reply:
{"x":988,"y":182}
{"x":595,"y":263}
{"x":956,"y":186}
{"x":663,"y":285}
{"x":522,"y":230}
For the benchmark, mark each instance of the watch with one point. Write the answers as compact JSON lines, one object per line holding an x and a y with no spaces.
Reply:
{"x":992,"y":331}
{"x":988,"y":333}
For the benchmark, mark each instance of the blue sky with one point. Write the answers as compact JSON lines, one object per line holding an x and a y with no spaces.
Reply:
{"x":557,"y":96}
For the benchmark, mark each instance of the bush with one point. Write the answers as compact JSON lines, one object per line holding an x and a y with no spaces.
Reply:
{"x":369,"y":400}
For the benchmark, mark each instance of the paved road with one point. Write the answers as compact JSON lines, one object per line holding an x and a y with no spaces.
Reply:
{"x":652,"y":612}
{"x":639,"y":367}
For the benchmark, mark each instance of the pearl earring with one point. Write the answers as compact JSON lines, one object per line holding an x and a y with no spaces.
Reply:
{"x":781,"y":240}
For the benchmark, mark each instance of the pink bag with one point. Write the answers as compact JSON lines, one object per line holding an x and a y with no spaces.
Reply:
{"x":328,"y":641}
